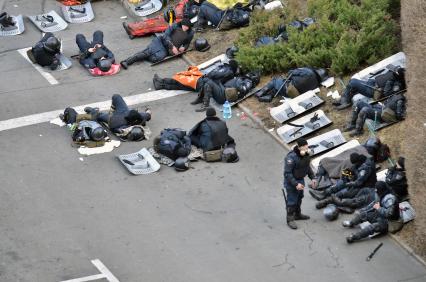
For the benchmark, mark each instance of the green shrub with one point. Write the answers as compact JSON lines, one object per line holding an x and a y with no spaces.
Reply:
{"x":346,"y":35}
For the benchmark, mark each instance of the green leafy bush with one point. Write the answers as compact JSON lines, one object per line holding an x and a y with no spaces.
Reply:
{"x":346,"y":35}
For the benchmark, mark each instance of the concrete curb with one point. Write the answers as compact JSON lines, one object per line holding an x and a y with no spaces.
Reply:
{"x":260,"y":123}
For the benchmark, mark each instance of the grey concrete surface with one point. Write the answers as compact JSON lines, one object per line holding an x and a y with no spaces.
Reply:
{"x":215,"y":222}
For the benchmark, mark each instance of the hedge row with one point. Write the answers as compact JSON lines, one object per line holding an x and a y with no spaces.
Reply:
{"x":347,"y":34}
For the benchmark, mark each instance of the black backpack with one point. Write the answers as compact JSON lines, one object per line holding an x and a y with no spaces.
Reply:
{"x":174,"y":143}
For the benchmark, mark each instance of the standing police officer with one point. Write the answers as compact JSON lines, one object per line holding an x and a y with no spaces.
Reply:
{"x":296,"y":167}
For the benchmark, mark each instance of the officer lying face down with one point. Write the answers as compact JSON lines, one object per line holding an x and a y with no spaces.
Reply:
{"x":126,"y":123}
{"x":173,"y":41}
{"x":94,"y":54}
{"x":211,"y":134}
{"x":46,"y":52}
{"x":296,"y":168}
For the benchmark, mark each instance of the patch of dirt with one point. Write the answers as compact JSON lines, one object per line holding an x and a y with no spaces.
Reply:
{"x":413,"y":25}
{"x":219,"y":42}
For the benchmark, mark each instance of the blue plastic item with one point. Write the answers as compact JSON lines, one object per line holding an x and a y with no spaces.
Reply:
{"x":227,"y":111}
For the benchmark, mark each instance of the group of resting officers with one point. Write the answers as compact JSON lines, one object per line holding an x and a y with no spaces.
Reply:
{"x":377,"y":200}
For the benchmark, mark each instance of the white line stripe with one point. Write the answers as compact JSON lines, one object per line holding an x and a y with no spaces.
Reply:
{"x":48,"y":116}
{"x":87,"y":278}
{"x":102,"y":268}
{"x":45,"y":74}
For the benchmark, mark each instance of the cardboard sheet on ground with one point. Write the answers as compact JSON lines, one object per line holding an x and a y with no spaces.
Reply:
{"x":294,"y":107}
{"x":141,"y":162}
{"x":143,"y":8}
{"x":18,"y":28}
{"x":349,"y":145}
{"x":78,"y":13}
{"x":326,"y":141}
{"x":108,"y":147}
{"x":65,"y":62}
{"x":49,"y":22}
{"x":225,"y":4}
{"x":289,"y":133}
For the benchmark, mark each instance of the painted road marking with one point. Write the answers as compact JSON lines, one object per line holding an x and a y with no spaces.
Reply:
{"x":105,"y":274}
{"x":44,"y":73}
{"x":48,"y":116}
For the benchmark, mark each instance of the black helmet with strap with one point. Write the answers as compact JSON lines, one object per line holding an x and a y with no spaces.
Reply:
{"x":52,"y":45}
{"x":201,"y":44}
{"x":136,"y":134}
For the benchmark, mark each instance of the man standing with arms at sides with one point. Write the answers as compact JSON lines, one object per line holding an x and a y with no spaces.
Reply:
{"x":296,"y":167}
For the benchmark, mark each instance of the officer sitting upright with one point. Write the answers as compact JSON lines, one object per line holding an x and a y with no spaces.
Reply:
{"x":46,"y":52}
{"x":296,"y":167}
{"x":211,"y":133}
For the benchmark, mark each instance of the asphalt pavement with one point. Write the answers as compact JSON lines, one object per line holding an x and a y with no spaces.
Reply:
{"x":60,"y":210}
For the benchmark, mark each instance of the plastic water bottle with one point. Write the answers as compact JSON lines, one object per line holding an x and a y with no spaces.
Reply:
{"x":227,"y":111}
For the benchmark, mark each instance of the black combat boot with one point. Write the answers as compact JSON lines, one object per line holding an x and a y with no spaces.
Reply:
{"x":206,"y":100}
{"x":300,"y":216}
{"x":140,"y":56}
{"x":291,"y":218}
{"x":261,"y":92}
{"x":158,"y":83}
{"x":356,"y":132}
{"x":323,"y":203}
{"x":363,"y":233}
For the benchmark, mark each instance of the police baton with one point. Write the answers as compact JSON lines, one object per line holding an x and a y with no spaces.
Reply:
{"x":285,"y":197}
{"x":284,"y":83}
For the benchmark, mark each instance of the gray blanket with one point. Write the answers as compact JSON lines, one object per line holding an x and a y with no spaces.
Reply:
{"x":335,"y":165}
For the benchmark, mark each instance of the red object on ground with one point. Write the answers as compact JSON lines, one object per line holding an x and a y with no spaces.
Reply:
{"x":115,"y":68}
{"x":153,"y":25}
{"x":72,"y":2}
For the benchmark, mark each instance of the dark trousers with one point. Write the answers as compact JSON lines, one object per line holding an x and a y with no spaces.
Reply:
{"x":119,"y":112}
{"x":294,"y":196}
{"x":214,"y":90}
{"x":378,"y":224}
{"x":171,"y":84}
{"x":84,"y":45}
{"x":209,"y":13}
{"x":362,"y":111}
{"x":358,"y":86}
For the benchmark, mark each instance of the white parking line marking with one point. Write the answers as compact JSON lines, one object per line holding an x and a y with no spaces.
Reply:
{"x":105,"y":273}
{"x":48,"y":116}
{"x":45,"y":74}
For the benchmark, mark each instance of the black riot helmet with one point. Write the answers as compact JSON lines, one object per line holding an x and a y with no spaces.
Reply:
{"x":321,"y":74}
{"x":331,"y":212}
{"x":97,"y":134}
{"x":52,"y":45}
{"x":254,"y":76}
{"x":201,"y":44}
{"x":182,"y":164}
{"x":231,"y":52}
{"x":229,"y":155}
{"x":136,"y":134}
{"x":104,"y":65}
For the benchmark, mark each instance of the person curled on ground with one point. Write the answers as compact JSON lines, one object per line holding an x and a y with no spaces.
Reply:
{"x":378,"y":213}
{"x":46,"y":52}
{"x":296,"y":168}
